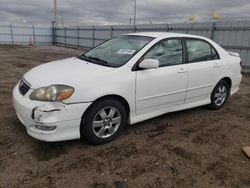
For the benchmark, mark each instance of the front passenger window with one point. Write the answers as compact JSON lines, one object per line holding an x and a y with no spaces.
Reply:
{"x":167,"y":52}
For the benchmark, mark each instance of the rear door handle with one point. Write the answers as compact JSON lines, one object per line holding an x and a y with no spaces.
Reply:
{"x":182,"y":70}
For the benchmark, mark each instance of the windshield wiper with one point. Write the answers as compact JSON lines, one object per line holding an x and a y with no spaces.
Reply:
{"x":99,"y":60}
{"x":83,"y":57}
{"x":93,"y":59}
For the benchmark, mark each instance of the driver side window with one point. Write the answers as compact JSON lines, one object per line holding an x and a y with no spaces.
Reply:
{"x":167,"y":52}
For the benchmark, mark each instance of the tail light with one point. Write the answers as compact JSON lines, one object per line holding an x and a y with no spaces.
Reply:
{"x":241,"y":64}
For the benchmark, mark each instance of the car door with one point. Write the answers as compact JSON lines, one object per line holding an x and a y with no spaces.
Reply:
{"x":204,"y":67}
{"x":163,"y":87}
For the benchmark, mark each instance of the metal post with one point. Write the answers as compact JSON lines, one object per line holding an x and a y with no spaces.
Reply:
{"x":53,"y":33}
{"x":212,"y":31}
{"x":11,"y":33}
{"x":65,"y":36}
{"x":78,"y":36}
{"x":111,"y":32}
{"x":34,"y":37}
{"x":93,"y":36}
{"x":167,"y":28}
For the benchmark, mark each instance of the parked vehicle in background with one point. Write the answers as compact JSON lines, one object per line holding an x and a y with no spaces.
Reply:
{"x":128,"y":79}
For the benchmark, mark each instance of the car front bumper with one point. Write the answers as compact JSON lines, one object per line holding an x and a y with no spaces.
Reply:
{"x":49,"y":121}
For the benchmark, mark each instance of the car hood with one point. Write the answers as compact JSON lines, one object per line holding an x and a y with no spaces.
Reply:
{"x":67,"y":71}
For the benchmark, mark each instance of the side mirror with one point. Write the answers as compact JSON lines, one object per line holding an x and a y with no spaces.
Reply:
{"x":149,"y":64}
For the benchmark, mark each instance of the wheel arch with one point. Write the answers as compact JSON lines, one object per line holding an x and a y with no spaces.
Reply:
{"x":114,"y":97}
{"x":214,"y":106}
{"x":228,"y":80}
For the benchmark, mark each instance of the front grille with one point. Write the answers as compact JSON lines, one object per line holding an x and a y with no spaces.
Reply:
{"x":23,"y":87}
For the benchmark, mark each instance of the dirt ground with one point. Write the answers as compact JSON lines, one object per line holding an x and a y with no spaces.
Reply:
{"x":191,"y":148}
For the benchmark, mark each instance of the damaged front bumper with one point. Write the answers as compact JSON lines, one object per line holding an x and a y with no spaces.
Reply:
{"x":49,"y":121}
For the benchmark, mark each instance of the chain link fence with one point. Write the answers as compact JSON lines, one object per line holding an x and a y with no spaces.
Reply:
{"x":233,"y":36}
{"x":22,"y":34}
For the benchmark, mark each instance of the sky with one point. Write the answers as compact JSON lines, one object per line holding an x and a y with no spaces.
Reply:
{"x":105,"y":12}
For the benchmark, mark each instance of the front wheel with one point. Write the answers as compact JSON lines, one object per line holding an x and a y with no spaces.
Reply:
{"x":219,"y":95}
{"x":103,"y":122}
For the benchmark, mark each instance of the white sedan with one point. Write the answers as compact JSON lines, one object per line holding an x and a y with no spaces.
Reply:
{"x":127,"y":79}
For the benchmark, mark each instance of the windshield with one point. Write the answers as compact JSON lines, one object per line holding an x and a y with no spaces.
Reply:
{"x":117,"y":51}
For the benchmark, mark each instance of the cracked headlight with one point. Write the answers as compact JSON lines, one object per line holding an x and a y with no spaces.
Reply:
{"x":52,"y":93}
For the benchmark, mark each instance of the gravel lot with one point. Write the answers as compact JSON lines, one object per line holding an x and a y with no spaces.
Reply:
{"x":191,"y":148}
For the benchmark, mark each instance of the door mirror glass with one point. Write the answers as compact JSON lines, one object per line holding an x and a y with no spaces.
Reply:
{"x":149,"y":64}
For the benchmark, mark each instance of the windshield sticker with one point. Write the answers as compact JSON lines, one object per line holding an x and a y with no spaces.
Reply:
{"x":127,"y":51}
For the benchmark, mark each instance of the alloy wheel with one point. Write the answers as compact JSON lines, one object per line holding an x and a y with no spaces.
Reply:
{"x":106,"y":122}
{"x":220,"y":95}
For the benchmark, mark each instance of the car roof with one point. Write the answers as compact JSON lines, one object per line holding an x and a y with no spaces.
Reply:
{"x":163,"y":34}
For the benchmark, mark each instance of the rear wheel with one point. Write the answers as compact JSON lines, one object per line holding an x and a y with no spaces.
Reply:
{"x":219,"y":95}
{"x":103,"y":122}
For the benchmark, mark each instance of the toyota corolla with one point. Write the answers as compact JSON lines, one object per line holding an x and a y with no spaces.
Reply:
{"x":125,"y":80}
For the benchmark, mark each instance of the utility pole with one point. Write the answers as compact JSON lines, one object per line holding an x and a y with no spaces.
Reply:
{"x":134,"y":14}
{"x":55,"y":12}
{"x":62,"y":19}
{"x":108,"y":20}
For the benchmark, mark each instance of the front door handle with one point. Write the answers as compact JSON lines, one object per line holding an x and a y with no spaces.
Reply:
{"x":216,"y":65}
{"x":182,"y":70}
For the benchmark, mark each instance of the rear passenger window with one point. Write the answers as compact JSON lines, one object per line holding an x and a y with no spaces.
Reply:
{"x":199,"y":50}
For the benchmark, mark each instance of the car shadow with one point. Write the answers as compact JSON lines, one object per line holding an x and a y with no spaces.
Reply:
{"x":44,"y":151}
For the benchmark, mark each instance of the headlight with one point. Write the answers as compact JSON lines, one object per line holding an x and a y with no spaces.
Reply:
{"x":52,"y":93}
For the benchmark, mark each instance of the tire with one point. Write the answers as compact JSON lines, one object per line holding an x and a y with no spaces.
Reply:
{"x":219,"y":95}
{"x":101,"y":122}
